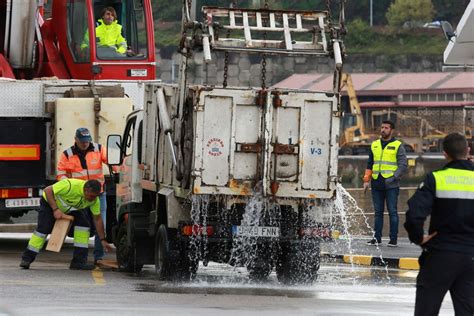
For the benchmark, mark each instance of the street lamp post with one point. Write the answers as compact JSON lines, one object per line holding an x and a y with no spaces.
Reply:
{"x":371,"y":14}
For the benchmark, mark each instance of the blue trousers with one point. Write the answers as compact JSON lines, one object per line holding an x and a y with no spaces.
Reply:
{"x":45,"y":226}
{"x":380,"y":198}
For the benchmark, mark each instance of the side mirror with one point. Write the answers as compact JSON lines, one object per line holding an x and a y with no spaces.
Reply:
{"x":447,"y":30}
{"x":114,"y":152}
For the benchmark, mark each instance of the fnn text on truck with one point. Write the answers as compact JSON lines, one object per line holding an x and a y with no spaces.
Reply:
{"x":83,"y":84}
{"x":235,"y":175}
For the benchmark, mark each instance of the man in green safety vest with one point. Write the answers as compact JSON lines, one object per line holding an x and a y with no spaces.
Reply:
{"x":72,"y":197}
{"x":447,"y":260}
{"x":387,"y":163}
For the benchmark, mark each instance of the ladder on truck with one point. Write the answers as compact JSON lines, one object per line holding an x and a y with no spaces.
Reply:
{"x":266,"y":32}
{"x":253,"y":25}
{"x":256,"y":31}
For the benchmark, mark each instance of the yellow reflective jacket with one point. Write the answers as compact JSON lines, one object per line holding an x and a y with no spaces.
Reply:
{"x":454,"y":184}
{"x":385,"y":160}
{"x":108,"y":35}
{"x":69,"y":196}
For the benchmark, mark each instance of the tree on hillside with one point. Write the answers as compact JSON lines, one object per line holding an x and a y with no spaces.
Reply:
{"x":450,"y":10}
{"x":410,"y":12}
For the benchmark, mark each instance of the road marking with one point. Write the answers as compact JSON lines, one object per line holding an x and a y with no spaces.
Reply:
{"x":98,"y":276}
{"x":408,"y":263}
{"x":408,"y":274}
{"x":364,"y":260}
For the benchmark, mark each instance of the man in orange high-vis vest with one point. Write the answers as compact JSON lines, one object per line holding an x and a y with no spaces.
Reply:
{"x":84,"y":161}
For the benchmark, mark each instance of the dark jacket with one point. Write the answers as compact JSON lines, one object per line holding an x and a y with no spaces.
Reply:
{"x":393,"y":182}
{"x":452,"y":219}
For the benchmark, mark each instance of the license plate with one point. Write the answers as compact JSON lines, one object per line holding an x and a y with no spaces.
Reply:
{"x":22,"y":202}
{"x":256,"y":231}
{"x":138,"y":73}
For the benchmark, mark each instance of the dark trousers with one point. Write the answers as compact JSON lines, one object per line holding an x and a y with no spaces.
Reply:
{"x":45,"y":226}
{"x":379,"y":198}
{"x":442,"y":271}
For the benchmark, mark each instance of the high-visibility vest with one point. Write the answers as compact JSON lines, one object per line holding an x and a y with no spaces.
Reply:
{"x":454,"y":184}
{"x":108,"y":35}
{"x":69,"y":196}
{"x":69,"y":165}
{"x":385,"y":160}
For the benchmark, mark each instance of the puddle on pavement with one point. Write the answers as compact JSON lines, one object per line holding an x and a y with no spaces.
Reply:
{"x":226,"y":279}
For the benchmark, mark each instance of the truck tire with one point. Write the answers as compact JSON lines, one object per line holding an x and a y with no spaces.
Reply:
{"x":346,"y":151}
{"x":172,"y":262}
{"x":162,"y":262}
{"x":299,"y":264}
{"x":259,"y":270}
{"x":5,"y":219}
{"x":126,"y":253}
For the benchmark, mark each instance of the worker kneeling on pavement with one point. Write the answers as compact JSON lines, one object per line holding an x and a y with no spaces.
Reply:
{"x":72,"y":197}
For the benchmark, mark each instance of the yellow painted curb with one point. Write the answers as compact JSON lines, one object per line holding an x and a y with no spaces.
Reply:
{"x":363,"y":260}
{"x":98,"y":277}
{"x":409,"y":264}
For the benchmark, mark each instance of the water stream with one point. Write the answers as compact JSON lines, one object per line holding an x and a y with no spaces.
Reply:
{"x":339,"y":214}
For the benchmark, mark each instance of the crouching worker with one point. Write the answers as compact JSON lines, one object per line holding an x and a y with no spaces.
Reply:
{"x":72,"y":197}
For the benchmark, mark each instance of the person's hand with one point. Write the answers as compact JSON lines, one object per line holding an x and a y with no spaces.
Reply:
{"x":57,"y":214}
{"x":366,"y":186}
{"x":427,"y":238}
{"x":390,"y":180}
{"x":107,"y":247}
{"x":130,"y":53}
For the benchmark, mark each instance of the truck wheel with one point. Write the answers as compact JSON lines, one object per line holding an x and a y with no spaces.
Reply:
{"x":172,"y":263}
{"x":162,"y":262}
{"x":346,"y":151}
{"x":186,"y":268}
{"x":259,"y":270}
{"x":5,"y":219}
{"x":299,"y":265}
{"x":126,"y":256}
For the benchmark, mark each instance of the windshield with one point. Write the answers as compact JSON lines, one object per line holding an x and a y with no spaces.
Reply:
{"x":77,"y":18}
{"x":120,"y":29}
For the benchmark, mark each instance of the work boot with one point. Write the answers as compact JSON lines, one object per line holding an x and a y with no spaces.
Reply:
{"x":392,"y":243}
{"x":25,"y":264}
{"x":98,"y":261}
{"x":81,"y":266}
{"x":374,"y":242}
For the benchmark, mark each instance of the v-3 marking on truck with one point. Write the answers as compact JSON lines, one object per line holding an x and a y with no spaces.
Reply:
{"x":207,"y":171}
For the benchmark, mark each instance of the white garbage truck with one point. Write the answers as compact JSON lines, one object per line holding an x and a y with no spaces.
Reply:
{"x":235,"y":175}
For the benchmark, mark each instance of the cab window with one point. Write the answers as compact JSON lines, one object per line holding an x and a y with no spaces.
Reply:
{"x":77,"y":18}
{"x":127,"y":142}
{"x":120,"y":29}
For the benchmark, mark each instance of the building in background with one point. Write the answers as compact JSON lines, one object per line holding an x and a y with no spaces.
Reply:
{"x":424,"y":106}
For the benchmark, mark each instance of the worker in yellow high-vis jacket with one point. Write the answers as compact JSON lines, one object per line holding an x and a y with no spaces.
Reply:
{"x":385,"y":167}
{"x":108,"y":34}
{"x":72,"y":197}
{"x":447,"y":260}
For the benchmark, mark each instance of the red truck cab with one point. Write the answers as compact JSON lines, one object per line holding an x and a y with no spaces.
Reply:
{"x":73,"y":50}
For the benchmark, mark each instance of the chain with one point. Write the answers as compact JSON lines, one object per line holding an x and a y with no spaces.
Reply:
{"x":328,"y":8}
{"x":264,"y":57}
{"x":226,"y":54}
{"x":226,"y":68}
